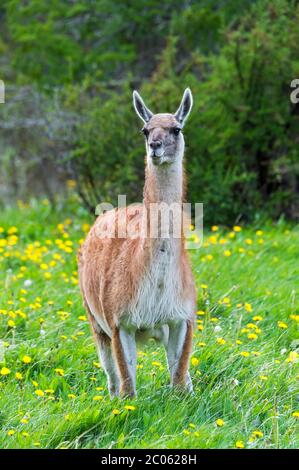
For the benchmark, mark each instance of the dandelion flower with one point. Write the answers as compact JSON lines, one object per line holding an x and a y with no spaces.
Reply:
{"x":115,"y":412}
{"x":130,"y":407}
{"x":295,"y":414}
{"x":59,"y":372}
{"x":240,"y":445}
{"x":194,"y":361}
{"x":221,"y":341}
{"x":5,"y":371}
{"x":220,"y":422}
{"x":257,"y":434}
{"x":18,"y":376}
{"x":98,"y":398}
{"x":244,"y":353}
{"x":39,"y":393}
{"x":11,"y":432}
{"x":237,"y":228}
{"x":26,"y":359}
{"x":282,"y":325}
{"x":293,"y":357}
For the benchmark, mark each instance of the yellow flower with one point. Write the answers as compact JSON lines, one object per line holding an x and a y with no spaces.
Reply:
{"x":12,"y":230}
{"x":11,"y":432}
{"x":248,"y":307}
{"x":98,"y":397}
{"x":282,"y":325}
{"x":194,"y":361}
{"x":5,"y":371}
{"x":18,"y":376}
{"x":115,"y":411}
{"x":39,"y":393}
{"x":59,"y":372}
{"x":200,"y":312}
{"x":244,"y":353}
{"x":227,"y":253}
{"x":257,"y":434}
{"x":26,"y":359}
{"x":237,"y":228}
{"x":293,"y":356}
{"x":221,"y":341}
{"x":259,"y":233}
{"x":156,"y":363}
{"x":11,"y":323}
{"x":240,"y":445}
{"x":82,"y":318}
{"x":264,"y":378}
{"x":252,"y":336}
{"x":248,"y":241}
{"x":203,"y":286}
{"x":71,"y":395}
{"x":295,"y":414}
{"x":257,"y":318}
{"x":220,"y":422}
{"x":130,"y":407}
{"x":36,"y":444}
{"x":215,"y":228}
{"x":25,"y":434}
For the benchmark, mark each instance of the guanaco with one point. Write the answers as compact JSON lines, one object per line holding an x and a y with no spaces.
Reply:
{"x":140,"y":287}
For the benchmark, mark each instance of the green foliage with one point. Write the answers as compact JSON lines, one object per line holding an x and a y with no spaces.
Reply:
{"x":242,"y":155}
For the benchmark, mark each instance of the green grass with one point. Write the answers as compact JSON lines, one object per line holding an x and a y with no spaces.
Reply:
{"x":251,"y":384}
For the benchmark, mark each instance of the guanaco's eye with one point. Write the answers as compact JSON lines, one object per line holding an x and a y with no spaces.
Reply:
{"x":176,"y":130}
{"x":145,"y":131}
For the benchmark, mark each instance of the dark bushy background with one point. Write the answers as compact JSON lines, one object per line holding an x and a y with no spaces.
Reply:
{"x":70,"y":68}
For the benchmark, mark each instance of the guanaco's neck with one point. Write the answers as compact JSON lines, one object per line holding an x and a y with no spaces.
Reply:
{"x":163,"y":189}
{"x":163,"y":184}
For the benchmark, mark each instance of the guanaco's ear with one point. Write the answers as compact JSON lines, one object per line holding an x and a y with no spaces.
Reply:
{"x":185,"y":107}
{"x":143,"y":112}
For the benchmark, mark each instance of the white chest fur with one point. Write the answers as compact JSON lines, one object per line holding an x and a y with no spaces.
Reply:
{"x":158,"y":300}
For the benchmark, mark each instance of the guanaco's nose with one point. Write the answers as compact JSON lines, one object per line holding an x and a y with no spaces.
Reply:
{"x":155,"y":144}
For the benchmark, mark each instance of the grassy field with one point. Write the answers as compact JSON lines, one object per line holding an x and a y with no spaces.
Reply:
{"x":244,"y":365}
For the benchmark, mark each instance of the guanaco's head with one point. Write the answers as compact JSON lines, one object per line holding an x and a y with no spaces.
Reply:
{"x":163,"y":132}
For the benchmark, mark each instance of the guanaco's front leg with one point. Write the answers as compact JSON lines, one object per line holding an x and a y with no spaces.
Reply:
{"x":178,"y":353}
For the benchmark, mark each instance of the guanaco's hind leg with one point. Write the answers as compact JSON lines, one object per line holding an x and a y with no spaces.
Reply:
{"x":178,"y":353}
{"x":124,"y":351}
